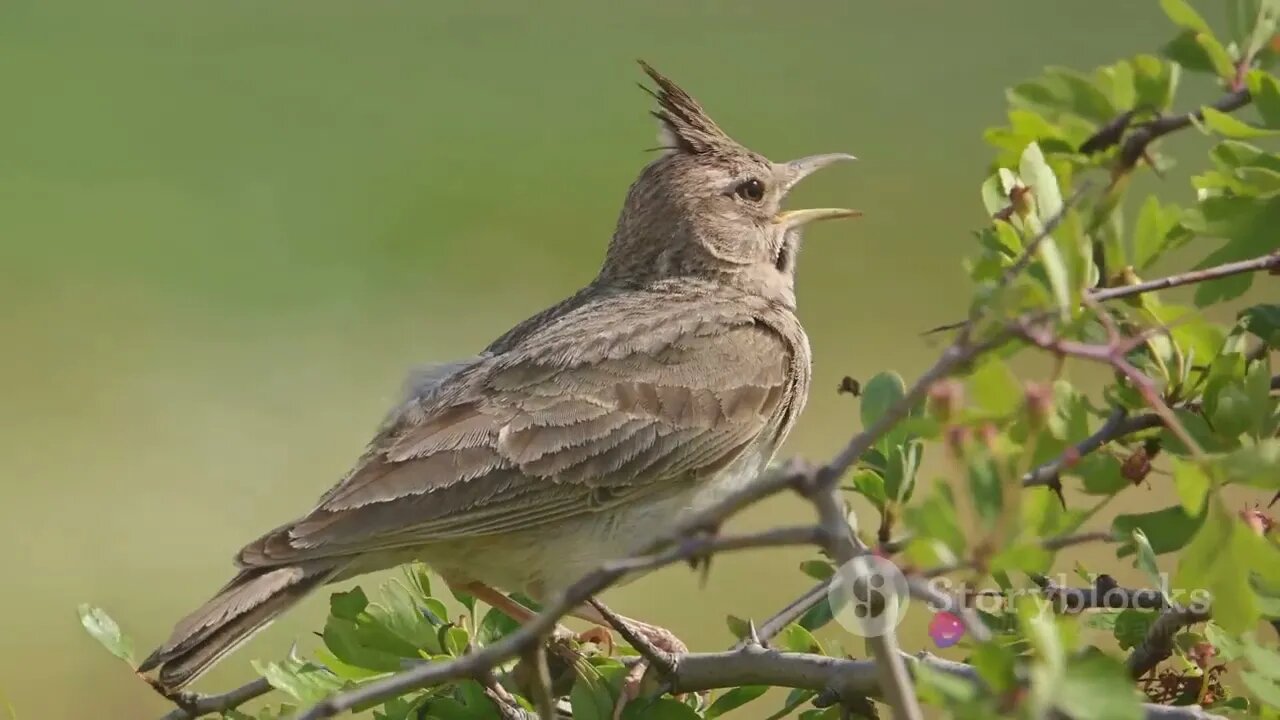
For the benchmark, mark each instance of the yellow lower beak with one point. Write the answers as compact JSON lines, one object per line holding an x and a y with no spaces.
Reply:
{"x":796,"y":218}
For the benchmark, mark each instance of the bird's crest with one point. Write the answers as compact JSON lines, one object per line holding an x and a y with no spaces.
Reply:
{"x":683,"y":124}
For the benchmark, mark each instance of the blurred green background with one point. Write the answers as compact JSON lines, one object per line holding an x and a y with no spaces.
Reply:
{"x":227,"y":228}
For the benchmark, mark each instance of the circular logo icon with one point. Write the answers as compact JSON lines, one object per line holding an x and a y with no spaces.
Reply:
{"x":868,"y":596}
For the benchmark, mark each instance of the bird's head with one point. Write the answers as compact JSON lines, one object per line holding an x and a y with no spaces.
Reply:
{"x":709,"y":206}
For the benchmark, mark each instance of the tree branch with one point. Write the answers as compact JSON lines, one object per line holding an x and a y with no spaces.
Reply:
{"x":1135,"y":145}
{"x":1269,"y":262}
{"x":1158,"y":644}
{"x":208,"y":704}
{"x":531,"y":633}
{"x":892,"y":671}
{"x":755,"y":665}
{"x":1117,"y":426}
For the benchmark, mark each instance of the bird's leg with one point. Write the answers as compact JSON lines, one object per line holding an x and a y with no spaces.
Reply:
{"x":505,"y":605}
{"x":658,"y":638}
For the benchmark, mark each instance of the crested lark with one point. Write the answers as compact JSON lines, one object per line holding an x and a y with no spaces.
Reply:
{"x":585,"y":431}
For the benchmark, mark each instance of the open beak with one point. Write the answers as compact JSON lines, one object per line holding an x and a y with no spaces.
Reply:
{"x":797,"y":170}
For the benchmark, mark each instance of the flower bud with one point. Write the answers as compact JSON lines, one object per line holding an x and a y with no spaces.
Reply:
{"x":946,"y":398}
{"x":1022,"y":200}
{"x":1258,"y":521}
{"x":1039,"y":399}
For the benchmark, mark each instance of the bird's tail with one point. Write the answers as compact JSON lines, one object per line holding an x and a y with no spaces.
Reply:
{"x":241,"y":608}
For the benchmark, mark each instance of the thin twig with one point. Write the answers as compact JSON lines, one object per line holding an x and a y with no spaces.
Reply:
{"x":1135,"y":146}
{"x":1117,"y":426}
{"x":1106,"y":594}
{"x":1258,"y":264}
{"x":230,"y":700}
{"x":791,"y":613}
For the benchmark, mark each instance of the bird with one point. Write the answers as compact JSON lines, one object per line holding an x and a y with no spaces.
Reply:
{"x":586,"y":431}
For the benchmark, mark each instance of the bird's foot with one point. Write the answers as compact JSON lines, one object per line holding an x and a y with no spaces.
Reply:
{"x":657,"y":639}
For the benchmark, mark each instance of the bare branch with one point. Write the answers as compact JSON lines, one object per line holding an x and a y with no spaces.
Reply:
{"x":1135,"y":146}
{"x":1106,"y":593}
{"x":1117,"y":426}
{"x":193,"y":706}
{"x":791,"y":613}
{"x":1266,"y":262}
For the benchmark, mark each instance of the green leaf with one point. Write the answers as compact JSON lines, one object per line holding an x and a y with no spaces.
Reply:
{"x":419,"y":579}
{"x":495,"y":626}
{"x":994,"y":197}
{"x":985,"y":486}
{"x":1265,"y":690}
{"x":1264,"y":322}
{"x":935,"y":518}
{"x":455,"y":640}
{"x":591,"y":697}
{"x":305,"y":682}
{"x":105,"y":630}
{"x":817,"y":617}
{"x":879,"y":394}
{"x":997,"y":666}
{"x":796,"y":639}
{"x":379,"y":636}
{"x":1265,"y":89}
{"x":1256,"y":465}
{"x":1037,"y":174}
{"x":817,"y":569}
{"x":1146,"y":556}
{"x":1229,"y":126}
{"x":1192,"y":484}
{"x":1101,"y":474}
{"x":870,"y":485}
{"x":1027,"y":557}
{"x":1215,"y":561}
{"x":1040,"y":628}
{"x":1055,"y":269}
{"x":1264,"y":660}
{"x":1248,"y":226}
{"x":1183,"y":15}
{"x":1152,"y":231}
{"x":1166,"y":530}
{"x":1097,"y":687}
{"x":1154,"y":82}
{"x":738,"y":627}
{"x":735,"y":698}
{"x":1187,"y":51}
{"x":1132,"y":625}
{"x":994,"y":388}
{"x":1229,"y":647}
{"x":348,"y":605}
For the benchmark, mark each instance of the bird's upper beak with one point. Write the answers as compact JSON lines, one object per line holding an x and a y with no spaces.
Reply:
{"x":797,"y":170}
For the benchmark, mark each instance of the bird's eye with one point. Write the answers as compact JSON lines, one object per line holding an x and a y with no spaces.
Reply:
{"x":752,"y":190}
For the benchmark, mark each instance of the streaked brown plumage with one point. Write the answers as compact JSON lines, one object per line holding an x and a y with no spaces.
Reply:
{"x":585,"y":431}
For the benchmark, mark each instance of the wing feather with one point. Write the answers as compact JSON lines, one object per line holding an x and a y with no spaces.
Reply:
{"x":552,"y":429}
